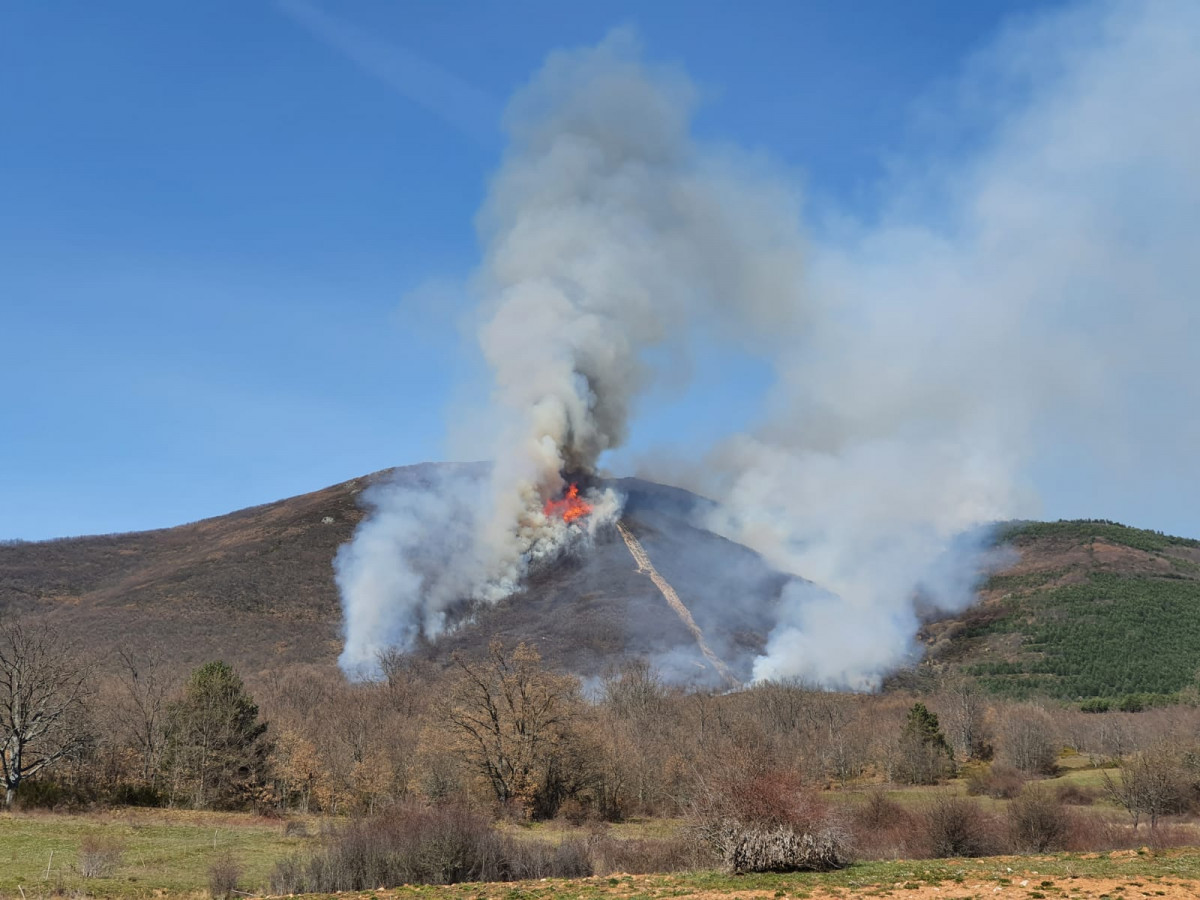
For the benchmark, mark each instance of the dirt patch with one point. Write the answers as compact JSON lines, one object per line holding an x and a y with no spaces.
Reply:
{"x":1128,"y":560}
{"x":1031,"y":886}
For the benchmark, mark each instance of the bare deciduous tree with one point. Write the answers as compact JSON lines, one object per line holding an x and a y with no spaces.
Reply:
{"x":142,"y":709}
{"x":43,"y":692}
{"x":964,"y":719}
{"x":1152,"y":783}
{"x":511,"y":718}
{"x":1027,"y":740}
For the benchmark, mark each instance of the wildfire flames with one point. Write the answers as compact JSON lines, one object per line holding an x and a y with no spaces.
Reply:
{"x":570,"y":507}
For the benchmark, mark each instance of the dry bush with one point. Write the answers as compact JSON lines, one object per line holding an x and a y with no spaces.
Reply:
{"x":1097,"y":831}
{"x":526,"y":860}
{"x":1076,"y":794}
{"x":1037,"y":821}
{"x":646,"y":856}
{"x":782,"y":848}
{"x":768,"y":821}
{"x":404,"y":844}
{"x":99,"y":856}
{"x":882,"y":828}
{"x":224,"y":873}
{"x":1172,"y":834}
{"x":1000,"y":782}
{"x":958,"y":827}
{"x":412,"y":844}
{"x":295,"y":828}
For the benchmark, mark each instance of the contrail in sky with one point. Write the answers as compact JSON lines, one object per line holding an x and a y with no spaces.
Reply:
{"x":452,"y":99}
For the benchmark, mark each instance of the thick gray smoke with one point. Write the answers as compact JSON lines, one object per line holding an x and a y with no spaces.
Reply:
{"x":606,"y":231}
{"x":1037,"y":300}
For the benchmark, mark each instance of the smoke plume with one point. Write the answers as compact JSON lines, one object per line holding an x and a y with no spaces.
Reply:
{"x":999,"y":312}
{"x":607,"y":232}
{"x":1027,"y":304}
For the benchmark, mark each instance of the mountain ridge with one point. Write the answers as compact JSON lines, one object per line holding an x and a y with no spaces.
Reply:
{"x":1087,"y":610}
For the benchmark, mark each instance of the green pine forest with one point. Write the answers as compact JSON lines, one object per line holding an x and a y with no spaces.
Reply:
{"x":1104,"y":634}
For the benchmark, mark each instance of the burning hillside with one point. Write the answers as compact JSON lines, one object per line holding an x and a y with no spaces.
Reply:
{"x":569,"y":507}
{"x":620,"y":251}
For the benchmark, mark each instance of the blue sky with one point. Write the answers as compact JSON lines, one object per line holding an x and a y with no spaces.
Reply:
{"x":230,"y":248}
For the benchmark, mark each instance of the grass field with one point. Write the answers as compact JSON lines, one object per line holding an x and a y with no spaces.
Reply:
{"x":164,"y":852}
{"x":167,"y":853}
{"x":1126,"y":875}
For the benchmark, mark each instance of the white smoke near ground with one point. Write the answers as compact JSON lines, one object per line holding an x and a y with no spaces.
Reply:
{"x":397,"y":581}
{"x":414,"y":567}
{"x":995,"y":311}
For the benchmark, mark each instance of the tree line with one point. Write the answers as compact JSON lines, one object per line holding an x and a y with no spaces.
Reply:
{"x":500,"y":731}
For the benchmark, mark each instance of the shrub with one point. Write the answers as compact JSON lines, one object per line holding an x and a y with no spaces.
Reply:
{"x":134,"y":794}
{"x":1076,"y":795}
{"x":295,"y":828}
{"x":782,"y":848}
{"x":879,"y":811}
{"x":1101,"y":832}
{"x":524,"y":860}
{"x":768,"y":821}
{"x":1037,"y":821}
{"x":412,"y":844}
{"x":98,"y":856}
{"x":223,"y":875}
{"x":644,"y":856}
{"x":958,"y":827}
{"x":1000,"y":782}
{"x":882,"y":828}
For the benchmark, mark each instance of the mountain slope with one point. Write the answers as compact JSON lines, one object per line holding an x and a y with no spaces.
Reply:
{"x":256,"y":587}
{"x":1089,"y":610}
{"x":588,"y":611}
{"x":1085,"y":610}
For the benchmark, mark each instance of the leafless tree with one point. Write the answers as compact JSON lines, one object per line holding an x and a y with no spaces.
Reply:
{"x":43,"y":693}
{"x":142,"y":709}
{"x":1027,"y":740}
{"x":511,"y":720}
{"x":635,"y":692}
{"x":407,"y":679}
{"x":1152,"y":784}
{"x":964,"y":719}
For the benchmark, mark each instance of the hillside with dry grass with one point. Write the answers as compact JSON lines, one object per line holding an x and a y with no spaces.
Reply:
{"x":1084,"y":611}
{"x":256,"y":587}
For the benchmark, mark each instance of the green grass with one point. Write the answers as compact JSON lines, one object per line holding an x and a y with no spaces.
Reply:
{"x":858,"y":880}
{"x":1085,"y":530}
{"x":167,"y":854}
{"x":163,"y":851}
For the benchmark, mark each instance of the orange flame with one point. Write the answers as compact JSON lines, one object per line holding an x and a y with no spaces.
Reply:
{"x":570,"y":507}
